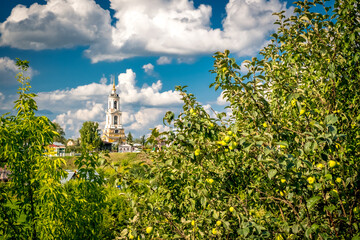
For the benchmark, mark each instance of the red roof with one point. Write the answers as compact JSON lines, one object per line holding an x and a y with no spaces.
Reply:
{"x":58,"y":146}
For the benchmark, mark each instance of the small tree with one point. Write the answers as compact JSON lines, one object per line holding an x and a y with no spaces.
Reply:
{"x":143,"y":140}
{"x":130,"y":139}
{"x":90,"y":135}
{"x":61,"y":133}
{"x":34,"y":188}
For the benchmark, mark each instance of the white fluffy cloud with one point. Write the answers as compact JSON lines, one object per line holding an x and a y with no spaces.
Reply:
{"x":147,"y":95}
{"x":142,"y":108}
{"x":56,"y":24}
{"x":7,"y":64}
{"x":8,"y":71}
{"x":208,"y":108}
{"x":103,"y":80}
{"x":164,"y":60}
{"x":148,"y":68}
{"x":72,"y":120}
{"x":250,"y":21}
{"x":142,"y":28}
{"x":2,"y":97}
{"x":220,"y":100}
{"x":162,"y":128}
{"x":146,"y":117}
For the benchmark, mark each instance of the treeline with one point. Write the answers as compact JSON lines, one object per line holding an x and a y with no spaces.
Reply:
{"x":90,"y":133}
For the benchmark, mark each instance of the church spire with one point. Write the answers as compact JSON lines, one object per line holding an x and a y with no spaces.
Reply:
{"x":114,"y":131}
{"x":113,"y":88}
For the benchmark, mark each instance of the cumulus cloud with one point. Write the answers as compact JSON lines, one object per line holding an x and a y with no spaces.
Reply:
{"x":7,"y":102}
{"x":177,"y":28}
{"x":103,"y":80}
{"x":2,"y":104}
{"x":220,"y":100}
{"x":148,"y":68}
{"x":56,"y":24}
{"x":142,"y":107}
{"x":166,"y":28}
{"x":146,"y":117}
{"x":188,"y":60}
{"x":147,"y":95}
{"x":250,"y":21}
{"x":162,"y":128}
{"x":71,"y":121}
{"x":7,"y":64}
{"x":8,"y":71}
{"x":243,"y":68}
{"x":127,"y":118}
{"x":164,"y":60}
{"x":208,"y":108}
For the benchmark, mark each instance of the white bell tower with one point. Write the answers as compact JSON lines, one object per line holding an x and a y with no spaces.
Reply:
{"x":114,"y":131}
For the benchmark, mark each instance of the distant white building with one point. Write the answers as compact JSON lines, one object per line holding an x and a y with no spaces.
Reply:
{"x":128,"y":148}
{"x":114,"y":131}
{"x":57,"y":148}
{"x":70,"y":143}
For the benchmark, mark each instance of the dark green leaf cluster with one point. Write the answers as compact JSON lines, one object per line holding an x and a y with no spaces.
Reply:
{"x":90,"y":135}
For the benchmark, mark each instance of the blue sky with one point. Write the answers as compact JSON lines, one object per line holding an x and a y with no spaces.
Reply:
{"x":75,"y":46}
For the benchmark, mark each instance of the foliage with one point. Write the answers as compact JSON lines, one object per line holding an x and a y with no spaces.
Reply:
{"x":34,"y":177}
{"x":82,"y":214}
{"x":89,"y":135}
{"x":130,"y":139}
{"x":129,"y":174}
{"x":117,"y":168}
{"x":285,"y":163}
{"x":73,"y":149}
{"x":60,"y":137}
{"x":141,"y":140}
{"x":34,"y":204}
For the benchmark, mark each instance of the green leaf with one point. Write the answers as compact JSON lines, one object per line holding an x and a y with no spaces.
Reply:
{"x":295,"y":228}
{"x":332,"y":130}
{"x":282,"y":144}
{"x":317,"y":125}
{"x":308,"y":164}
{"x":330,"y":119}
{"x":328,"y":176}
{"x":307,"y":147}
{"x":215,"y":214}
{"x":272,"y":173}
{"x":310,"y":230}
{"x":245,"y":231}
{"x":312,"y":201}
{"x":124,"y":232}
{"x":314,"y":146}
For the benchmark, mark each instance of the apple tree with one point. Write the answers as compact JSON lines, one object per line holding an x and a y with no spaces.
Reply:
{"x":285,"y":163}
